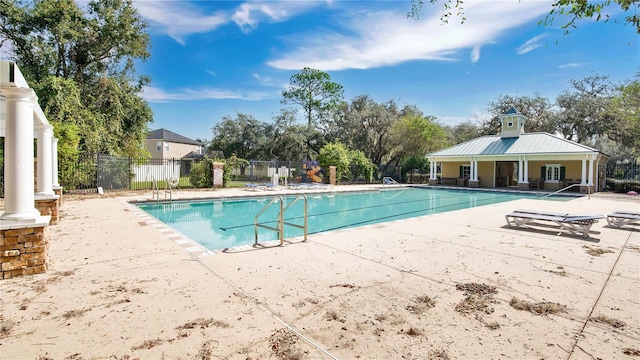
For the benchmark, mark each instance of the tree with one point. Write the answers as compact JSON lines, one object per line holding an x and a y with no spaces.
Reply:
{"x":319,"y":97}
{"x":538,"y":110}
{"x":243,"y":136}
{"x":625,"y":112}
{"x":287,"y":138}
{"x":584,"y":112}
{"x":573,"y":9}
{"x":361,"y":166}
{"x":81,"y":65}
{"x":462,"y":132}
{"x":366,"y":126}
{"x":335,"y":154}
{"x":418,"y":135}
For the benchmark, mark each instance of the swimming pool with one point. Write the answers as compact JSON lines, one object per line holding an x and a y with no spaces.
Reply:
{"x":224,"y":223}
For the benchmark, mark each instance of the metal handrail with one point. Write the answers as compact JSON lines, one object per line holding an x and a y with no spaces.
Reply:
{"x":388,"y":180}
{"x":155,"y":190}
{"x":280,"y":220}
{"x":304,"y":227}
{"x":169,"y":189}
{"x":569,"y":187}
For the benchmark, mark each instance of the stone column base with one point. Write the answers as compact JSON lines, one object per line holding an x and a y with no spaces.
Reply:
{"x":25,"y":251}
{"x":474,"y":183}
{"x":433,"y":181}
{"x":48,"y":206}
{"x":524,"y":186}
{"x":58,"y":191}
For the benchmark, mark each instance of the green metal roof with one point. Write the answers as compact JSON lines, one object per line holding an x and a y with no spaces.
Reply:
{"x":531,"y":143}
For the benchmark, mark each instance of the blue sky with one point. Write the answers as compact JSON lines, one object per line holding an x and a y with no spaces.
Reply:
{"x":215,"y":58}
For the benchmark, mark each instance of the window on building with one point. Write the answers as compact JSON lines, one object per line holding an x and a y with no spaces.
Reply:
{"x":166,"y":146}
{"x":510,"y":124}
{"x":553,"y":173}
{"x":158,"y":145}
{"x":466,"y":171}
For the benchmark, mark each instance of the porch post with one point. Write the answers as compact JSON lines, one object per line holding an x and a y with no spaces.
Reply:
{"x":520,"y":173}
{"x":433,"y":178}
{"x":583,"y":181}
{"x":54,"y":162}
{"x":18,"y":163}
{"x":43,"y":184}
{"x":590,"y":170}
{"x":431,"y":169}
{"x":473,"y":179}
{"x":598,"y":175}
{"x":526,"y":171}
{"x":474,"y":172}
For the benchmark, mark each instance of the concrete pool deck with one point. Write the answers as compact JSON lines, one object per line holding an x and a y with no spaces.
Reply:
{"x":448,"y":285}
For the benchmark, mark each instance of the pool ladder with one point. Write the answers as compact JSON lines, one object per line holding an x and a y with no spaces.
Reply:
{"x":156,"y":190}
{"x":280,"y":220}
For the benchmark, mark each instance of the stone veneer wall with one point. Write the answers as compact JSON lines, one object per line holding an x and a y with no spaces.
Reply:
{"x":23,"y":251}
{"x":49,"y":207}
{"x":58,"y":191}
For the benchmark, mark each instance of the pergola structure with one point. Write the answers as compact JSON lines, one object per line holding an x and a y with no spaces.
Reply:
{"x":22,"y":120}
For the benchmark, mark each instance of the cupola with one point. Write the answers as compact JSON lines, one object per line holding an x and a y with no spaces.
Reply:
{"x":512,"y":123}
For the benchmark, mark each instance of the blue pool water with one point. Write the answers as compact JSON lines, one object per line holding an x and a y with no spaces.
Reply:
{"x":223,"y":223}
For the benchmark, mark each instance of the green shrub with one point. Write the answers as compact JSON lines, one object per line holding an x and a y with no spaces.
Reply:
{"x":623,"y":186}
{"x":200,"y":175}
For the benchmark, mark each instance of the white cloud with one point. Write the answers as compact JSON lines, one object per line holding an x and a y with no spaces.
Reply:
{"x":263,"y":80}
{"x":530,"y":45}
{"x":211,"y":73}
{"x":6,"y":48}
{"x":570,"y":65}
{"x":386,"y":38}
{"x":475,"y":54}
{"x":179,"y":19}
{"x":158,"y":95}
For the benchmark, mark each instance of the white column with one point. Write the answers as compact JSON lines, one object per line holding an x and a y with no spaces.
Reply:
{"x":591,"y":170}
{"x":43,"y":185}
{"x":471,"y":168}
{"x":520,"y":174}
{"x":18,"y":155}
{"x":54,"y":162}
{"x":526,"y":170}
{"x":474,"y":166}
{"x":583,"y":181}
{"x":597,"y":175}
{"x":431,"y":172}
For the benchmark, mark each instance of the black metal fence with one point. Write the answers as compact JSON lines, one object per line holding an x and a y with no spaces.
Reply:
{"x":126,"y":173}
{"x":623,"y":175}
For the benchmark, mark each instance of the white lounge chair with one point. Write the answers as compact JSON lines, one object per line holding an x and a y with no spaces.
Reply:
{"x":574,"y":224}
{"x":623,"y":218}
{"x":253,"y":187}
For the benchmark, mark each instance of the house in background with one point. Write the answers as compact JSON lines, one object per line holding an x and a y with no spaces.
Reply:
{"x":513,"y":158}
{"x":162,"y":143}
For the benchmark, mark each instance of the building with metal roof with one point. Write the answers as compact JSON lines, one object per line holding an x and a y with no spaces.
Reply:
{"x":514,"y":158}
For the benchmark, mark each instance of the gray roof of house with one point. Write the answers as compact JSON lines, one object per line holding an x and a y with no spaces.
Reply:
{"x":166,"y":135}
{"x":530,"y":143}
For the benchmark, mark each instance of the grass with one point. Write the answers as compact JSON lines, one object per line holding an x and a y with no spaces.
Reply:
{"x":603,"y":319}
{"x":478,"y":298}
{"x":596,"y":251}
{"x":283,"y":345}
{"x":539,"y":308}
{"x":420,"y":305}
{"x":203,"y":324}
{"x":184,"y":182}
